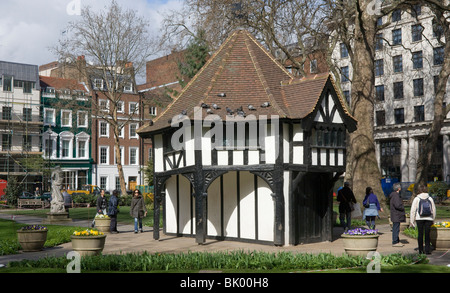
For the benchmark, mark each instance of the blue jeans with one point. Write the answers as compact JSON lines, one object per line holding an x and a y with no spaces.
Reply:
{"x":136,"y":221}
{"x":343,"y":217}
{"x":395,"y":232}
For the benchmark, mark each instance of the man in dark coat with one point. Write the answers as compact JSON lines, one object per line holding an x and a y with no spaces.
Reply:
{"x":346,"y":198}
{"x":397,"y":213}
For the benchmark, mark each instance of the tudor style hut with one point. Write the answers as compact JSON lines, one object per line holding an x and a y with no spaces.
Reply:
{"x":248,"y":152}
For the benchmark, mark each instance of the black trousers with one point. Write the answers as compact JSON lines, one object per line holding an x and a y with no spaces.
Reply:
{"x":113,"y":225}
{"x":423,"y":228}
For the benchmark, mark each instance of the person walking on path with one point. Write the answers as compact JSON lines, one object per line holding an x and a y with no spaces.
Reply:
{"x":372,"y":206}
{"x":397,"y":213}
{"x":346,"y":198}
{"x":102,"y":204}
{"x":138,"y":210}
{"x":423,"y":213}
{"x":112,"y":211}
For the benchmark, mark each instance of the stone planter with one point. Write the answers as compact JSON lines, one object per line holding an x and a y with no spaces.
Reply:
{"x":440,"y":238}
{"x":88,"y":245}
{"x":360,"y":245}
{"x":32,"y":240}
{"x":103,"y":224}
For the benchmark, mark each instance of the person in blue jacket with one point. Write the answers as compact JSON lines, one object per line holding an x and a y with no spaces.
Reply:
{"x":372,"y":206}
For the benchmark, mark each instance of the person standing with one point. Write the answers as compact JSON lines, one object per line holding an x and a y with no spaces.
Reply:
{"x":68,"y":202}
{"x":102,"y":204}
{"x":423,"y":213}
{"x":112,"y":211}
{"x":346,"y":198}
{"x":397,"y":213}
{"x":138,"y":210}
{"x":372,"y":206}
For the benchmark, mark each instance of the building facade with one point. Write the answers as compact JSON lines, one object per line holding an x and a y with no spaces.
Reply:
{"x":67,"y":132}
{"x":408,"y":59}
{"x":20,"y":123}
{"x":248,"y":152}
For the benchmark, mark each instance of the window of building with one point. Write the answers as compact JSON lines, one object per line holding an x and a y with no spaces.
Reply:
{"x":26,"y":114}
{"x":6,"y":113}
{"x":397,"y":37}
{"x":133,"y":156}
{"x":49,"y":116}
{"x":150,"y":153}
{"x":82,"y":119}
{"x":133,"y":128}
{"x":438,"y":56}
{"x":7,"y":83}
{"x":153,"y":111}
{"x":104,"y":129}
{"x":418,"y":87}
{"x":416,"y":32}
{"x":398,"y":63}
{"x":380,"y":118}
{"x":26,"y":143}
{"x":120,"y":107}
{"x":313,"y":66}
{"x":133,"y":107}
{"x":118,"y":183}
{"x":103,"y":182}
{"x":379,"y":67}
{"x":128,"y":87}
{"x":398,"y":90}
{"x":103,"y":105}
{"x":48,"y":147}
{"x":344,"y":74}
{"x":379,"y":42}
{"x":379,"y":92}
{"x":6,"y":142}
{"x":417,"y":60}
{"x":104,"y":154}
{"x":397,"y":15}
{"x":66,"y":118}
{"x":344,"y":51}
{"x":435,"y":82}
{"x":399,"y":116}
{"x":65,"y":144}
{"x":98,"y":84}
{"x":419,"y":113}
{"x":81,"y":148}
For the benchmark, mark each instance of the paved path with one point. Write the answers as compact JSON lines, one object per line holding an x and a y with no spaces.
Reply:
{"x":128,"y":242}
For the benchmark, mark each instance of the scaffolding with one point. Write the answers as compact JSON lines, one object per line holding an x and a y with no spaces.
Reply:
{"x":21,"y":127}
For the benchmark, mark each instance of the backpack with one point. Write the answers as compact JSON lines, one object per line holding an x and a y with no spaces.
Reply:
{"x":425,"y":207}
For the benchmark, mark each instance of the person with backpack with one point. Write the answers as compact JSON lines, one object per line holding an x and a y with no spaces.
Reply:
{"x":423,"y":213}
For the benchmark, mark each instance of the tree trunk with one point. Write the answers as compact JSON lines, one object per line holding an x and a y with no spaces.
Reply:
{"x":123,"y":188}
{"x":426,"y":155}
{"x":362,"y":156}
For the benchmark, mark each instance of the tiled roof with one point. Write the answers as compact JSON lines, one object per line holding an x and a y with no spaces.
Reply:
{"x":61,"y":83}
{"x":246,"y":74}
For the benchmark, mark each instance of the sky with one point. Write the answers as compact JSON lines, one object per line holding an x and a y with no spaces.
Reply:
{"x":28,"y":28}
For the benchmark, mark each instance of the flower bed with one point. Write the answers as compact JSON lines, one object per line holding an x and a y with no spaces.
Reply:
{"x":87,"y":232}
{"x":88,"y":242}
{"x":361,"y":231}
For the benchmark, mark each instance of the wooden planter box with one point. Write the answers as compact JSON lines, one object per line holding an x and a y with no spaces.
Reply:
{"x":88,"y":245}
{"x":360,"y":244}
{"x":32,"y":240}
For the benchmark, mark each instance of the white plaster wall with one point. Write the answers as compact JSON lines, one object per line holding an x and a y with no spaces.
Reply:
{"x":185,"y":206}
{"x":247,"y":205}
{"x":158,"y":145}
{"x":171,"y":204}
{"x":266,"y":212}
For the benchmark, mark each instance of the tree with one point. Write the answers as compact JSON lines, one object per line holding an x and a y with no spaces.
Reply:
{"x":441,"y":10}
{"x":111,"y":46}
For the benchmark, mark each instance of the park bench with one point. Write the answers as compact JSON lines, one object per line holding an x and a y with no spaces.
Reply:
{"x":34,"y":203}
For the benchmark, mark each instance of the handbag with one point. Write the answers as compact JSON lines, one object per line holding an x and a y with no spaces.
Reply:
{"x":356,"y":212}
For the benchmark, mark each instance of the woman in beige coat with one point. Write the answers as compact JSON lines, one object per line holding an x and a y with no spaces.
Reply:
{"x":138,"y":210}
{"x":423,"y":220}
